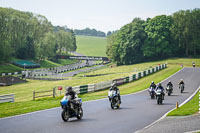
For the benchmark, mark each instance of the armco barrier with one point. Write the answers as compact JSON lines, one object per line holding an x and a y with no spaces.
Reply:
{"x":120,"y":81}
{"x":134,"y":77}
{"x":91,"y":87}
{"x":7,"y":98}
{"x":102,"y":85}
{"x":83,"y":89}
{"x":76,"y":89}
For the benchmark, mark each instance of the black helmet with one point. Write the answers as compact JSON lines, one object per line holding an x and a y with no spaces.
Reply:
{"x":69,"y":89}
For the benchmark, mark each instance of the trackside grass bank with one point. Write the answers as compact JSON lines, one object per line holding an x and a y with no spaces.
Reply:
{"x":189,"y":108}
{"x":9,"y":68}
{"x":10,"y":109}
{"x":91,"y":46}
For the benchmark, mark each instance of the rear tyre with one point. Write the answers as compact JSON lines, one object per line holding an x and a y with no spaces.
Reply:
{"x":158,"y":101}
{"x":65,"y":115}
{"x":152,"y":96}
{"x":161,"y":101}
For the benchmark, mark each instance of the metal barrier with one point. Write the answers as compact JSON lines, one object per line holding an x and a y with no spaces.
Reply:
{"x":7,"y":98}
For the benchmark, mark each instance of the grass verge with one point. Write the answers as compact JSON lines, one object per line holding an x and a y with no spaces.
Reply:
{"x":48,"y":63}
{"x":189,"y":108}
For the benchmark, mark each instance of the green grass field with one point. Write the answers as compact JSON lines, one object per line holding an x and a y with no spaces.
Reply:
{"x":189,"y":108}
{"x":9,"y":69}
{"x":64,"y":62}
{"x":48,"y":63}
{"x":91,"y":46}
{"x":61,"y":62}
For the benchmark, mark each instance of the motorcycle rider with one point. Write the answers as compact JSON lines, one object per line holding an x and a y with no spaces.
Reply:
{"x":153,"y":85}
{"x":181,"y":82}
{"x":170,"y":84}
{"x":115,"y":88}
{"x":74,"y":96}
{"x":162,"y":89}
{"x":193,"y":64}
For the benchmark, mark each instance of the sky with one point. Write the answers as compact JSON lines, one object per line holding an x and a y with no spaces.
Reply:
{"x":103,"y":15}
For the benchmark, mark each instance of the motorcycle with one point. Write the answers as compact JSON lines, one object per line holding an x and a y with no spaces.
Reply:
{"x":152,"y":92}
{"x":181,"y":87}
{"x":71,"y":108}
{"x":159,"y":96}
{"x":114,"y":99}
{"x":169,"y":90}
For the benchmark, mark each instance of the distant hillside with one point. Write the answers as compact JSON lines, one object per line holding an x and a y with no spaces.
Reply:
{"x":89,"y":32}
{"x":91,"y":46}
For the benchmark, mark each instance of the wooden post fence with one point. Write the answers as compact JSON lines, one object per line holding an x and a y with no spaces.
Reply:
{"x":46,"y":95}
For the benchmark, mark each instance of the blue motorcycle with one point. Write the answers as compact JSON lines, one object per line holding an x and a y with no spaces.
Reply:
{"x":71,"y":108}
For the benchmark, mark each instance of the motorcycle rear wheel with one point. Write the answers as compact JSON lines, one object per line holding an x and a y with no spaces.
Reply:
{"x":152,"y":96}
{"x":158,"y":101}
{"x":181,"y":90}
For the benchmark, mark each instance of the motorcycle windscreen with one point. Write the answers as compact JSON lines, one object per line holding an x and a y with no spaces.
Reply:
{"x":111,"y":93}
{"x":64,"y":101}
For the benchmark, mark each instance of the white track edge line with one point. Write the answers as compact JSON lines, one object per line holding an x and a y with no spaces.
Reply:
{"x":83,"y":102}
{"x":162,"y":117}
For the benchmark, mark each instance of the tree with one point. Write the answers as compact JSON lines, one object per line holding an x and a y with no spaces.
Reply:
{"x":158,"y":44}
{"x":124,"y":47}
{"x":47,"y":46}
{"x":185,"y":30}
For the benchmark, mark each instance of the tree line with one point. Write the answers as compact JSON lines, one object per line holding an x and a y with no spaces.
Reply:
{"x":176,"y":35}
{"x":89,"y":32}
{"x":26,"y":35}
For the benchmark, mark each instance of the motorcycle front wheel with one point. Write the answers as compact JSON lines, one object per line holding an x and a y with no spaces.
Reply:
{"x":80,"y":113}
{"x":65,"y":115}
{"x":181,"y":90}
{"x":112,"y":105}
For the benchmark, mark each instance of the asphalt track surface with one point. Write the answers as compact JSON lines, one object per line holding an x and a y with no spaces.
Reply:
{"x":136,"y":112}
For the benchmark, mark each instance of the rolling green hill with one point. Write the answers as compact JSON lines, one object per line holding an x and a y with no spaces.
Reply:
{"x":91,"y":46}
